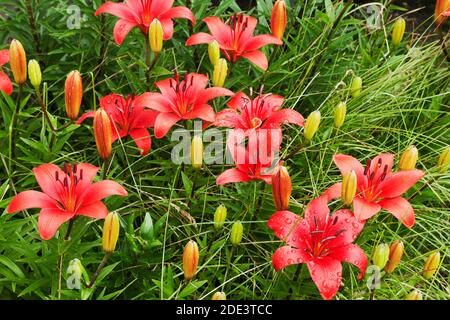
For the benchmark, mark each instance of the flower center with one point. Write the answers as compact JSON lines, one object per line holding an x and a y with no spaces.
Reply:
{"x":320,"y":238}
{"x":183,"y":102}
{"x":256,"y":123}
{"x":238,"y":24}
{"x":371,"y":191}
{"x":69,"y":183}
{"x":125,"y":113}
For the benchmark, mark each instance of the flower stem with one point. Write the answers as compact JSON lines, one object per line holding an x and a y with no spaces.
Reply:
{"x":32,"y":22}
{"x":99,"y":269}
{"x":295,"y":151}
{"x":372,"y":294}
{"x":69,"y":229}
{"x":12,"y":130}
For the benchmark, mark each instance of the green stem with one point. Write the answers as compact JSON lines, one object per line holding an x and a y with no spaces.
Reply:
{"x":69,"y":229}
{"x":12,"y":130}
{"x":99,"y":269}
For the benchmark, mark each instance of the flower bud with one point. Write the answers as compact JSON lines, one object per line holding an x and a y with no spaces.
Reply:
{"x":381,"y":255}
{"x":197,"y":151}
{"x":414,"y":295}
{"x":278,"y":19}
{"x":395,"y":255}
{"x":431,"y":265}
{"x":75,"y":269}
{"x":311,"y":125}
{"x":349,"y":183}
{"x":146,"y":230}
{"x":18,"y":62}
{"x":220,"y":216}
{"x":74,"y":93}
{"x":220,"y":73}
{"x":444,"y":160}
{"x":281,"y":187}
{"x":155,"y":35}
{"x":356,"y":87}
{"x":339,"y":114}
{"x":103,"y":133}
{"x":398,"y":31}
{"x":441,"y":12}
{"x":236,"y":233}
{"x":214,"y":52}
{"x":409,"y":159}
{"x":34,"y":73}
{"x":111,"y":229}
{"x":190,"y":259}
{"x":219,"y":296}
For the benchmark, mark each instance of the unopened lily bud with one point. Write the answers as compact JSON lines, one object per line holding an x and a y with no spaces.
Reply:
{"x":237,"y":231}
{"x":349,"y":183}
{"x":190,"y":259}
{"x":340,"y":112}
{"x":441,"y":12}
{"x":214,"y":52}
{"x":73,"y":94}
{"x":395,"y":255}
{"x":220,"y":216}
{"x":278,"y":19}
{"x":414,"y":295}
{"x":111,"y":229}
{"x":311,"y":125}
{"x":444,"y":160}
{"x":197,"y":152}
{"x":34,"y":73}
{"x":219,"y":296}
{"x":381,"y":255}
{"x":18,"y":61}
{"x":146,"y":230}
{"x":409,"y":159}
{"x":431,"y":265}
{"x":356,"y":87}
{"x":398,"y":31}
{"x":281,"y":187}
{"x":155,"y":35}
{"x":220,"y":73}
{"x":103,"y":133}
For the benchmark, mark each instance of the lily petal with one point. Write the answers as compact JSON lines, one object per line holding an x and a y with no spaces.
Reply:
{"x":120,"y":10}
{"x":179,"y":12}
{"x":238,"y":101}
{"x":204,"y":112}
{"x":164,"y":122}
{"x":347,"y":163}
{"x":353,"y":254}
{"x":317,"y":211}
{"x":101,"y":190}
{"x":289,"y":227}
{"x":364,"y":209}
{"x":333,"y":192}
{"x":257,"y":42}
{"x":167,"y":25}
{"x":5,"y":84}
{"x":327,"y":275}
{"x":4,"y":57}
{"x":142,"y":139}
{"x":284,"y":116}
{"x":346,"y":225}
{"x":258,"y":58}
{"x":232,"y":175}
{"x":30,"y":199}
{"x":96,"y":210}
{"x":50,"y":220}
{"x":122,"y":29}
{"x":401,"y":209}
{"x":399,"y":183}
{"x":219,"y":30}
{"x":153,"y":100}
{"x":199,"y":38}
{"x":286,"y":256}
{"x":46,"y":178}
{"x":212,"y":93}
{"x":89,"y":114}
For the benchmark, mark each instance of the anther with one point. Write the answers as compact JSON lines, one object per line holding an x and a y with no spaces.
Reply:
{"x":366,"y":170}
{"x":57,"y":175}
{"x":335,"y":220}
{"x":66,"y":182}
{"x":75,"y":167}
{"x":81,"y":174}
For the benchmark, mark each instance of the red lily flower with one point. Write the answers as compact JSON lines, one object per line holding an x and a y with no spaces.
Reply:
{"x":253,"y":162}
{"x":140,"y":13}
{"x":263,"y":112}
{"x":378,"y":187}
{"x":66,"y":194}
{"x":128,"y":119}
{"x":236,"y":40}
{"x":183,"y":100}
{"x":321,"y":241}
{"x":5,"y":83}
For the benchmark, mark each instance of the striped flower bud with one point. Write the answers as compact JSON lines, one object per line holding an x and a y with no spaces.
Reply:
{"x":444,"y":160}
{"x":414,"y":295}
{"x":340,"y":112}
{"x":214,"y":52}
{"x":155,"y":35}
{"x":409,"y":158}
{"x":219,"y":296}
{"x":220,"y":73}
{"x":431,"y":265}
{"x":441,"y":12}
{"x":381,"y":255}
{"x":395,"y":255}
{"x":197,"y":152}
{"x":73,"y":94}
{"x":349,"y":183}
{"x":111,"y":229}
{"x":220,"y":216}
{"x":34,"y":73}
{"x":278,"y":19}
{"x":190,"y":259}
{"x":398,"y":31}
{"x":18,"y":61}
{"x":281,"y":187}
{"x":311,"y":125}
{"x":236,"y":233}
{"x":103,"y":133}
{"x":356,"y":87}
